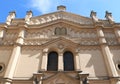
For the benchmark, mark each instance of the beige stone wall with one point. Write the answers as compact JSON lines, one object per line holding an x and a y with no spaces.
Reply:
{"x":100,"y":82}
{"x":28,"y":63}
{"x":5,"y":53}
{"x":22,"y":82}
{"x":116,"y":57}
{"x":92,"y":62}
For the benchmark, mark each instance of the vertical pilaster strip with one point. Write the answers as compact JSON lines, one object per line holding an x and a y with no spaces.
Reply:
{"x":2,"y":33}
{"x":60,"y":62}
{"x":44,"y":60}
{"x":106,"y":53}
{"x":15,"y":55}
{"x":77,"y":61}
{"x":117,"y":33}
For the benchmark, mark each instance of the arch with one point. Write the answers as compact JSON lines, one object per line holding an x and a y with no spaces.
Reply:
{"x":52,"y":64}
{"x":63,"y":31}
{"x":57,"y":31}
{"x":60,"y":31}
{"x":68,"y":61}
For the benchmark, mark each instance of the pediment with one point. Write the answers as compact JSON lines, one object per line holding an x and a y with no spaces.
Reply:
{"x":62,"y":78}
{"x":60,"y":42}
{"x":60,"y":15}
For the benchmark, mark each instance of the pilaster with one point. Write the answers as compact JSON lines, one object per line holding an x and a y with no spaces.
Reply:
{"x":44,"y":60}
{"x":15,"y":55}
{"x":106,"y":53}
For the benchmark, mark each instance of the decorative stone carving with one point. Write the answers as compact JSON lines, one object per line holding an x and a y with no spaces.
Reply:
{"x":37,"y":78}
{"x":109,"y":17}
{"x":112,"y":41}
{"x":61,"y":15}
{"x":109,"y":34}
{"x":94,"y":17}
{"x":60,"y":31}
{"x":110,"y":38}
{"x":28,"y":16}
{"x":10,"y":17}
{"x":89,"y":42}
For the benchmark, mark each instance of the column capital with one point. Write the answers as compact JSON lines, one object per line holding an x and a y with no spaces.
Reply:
{"x":83,"y":77}
{"x":37,"y":77}
{"x":45,"y":50}
{"x":99,"y":25}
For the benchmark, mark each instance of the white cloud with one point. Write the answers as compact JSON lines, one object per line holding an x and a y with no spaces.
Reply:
{"x":44,"y":6}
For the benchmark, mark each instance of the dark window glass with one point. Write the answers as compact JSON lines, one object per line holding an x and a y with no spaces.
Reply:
{"x":52,"y":61}
{"x":119,"y":66}
{"x":1,"y":68}
{"x":68,"y":61}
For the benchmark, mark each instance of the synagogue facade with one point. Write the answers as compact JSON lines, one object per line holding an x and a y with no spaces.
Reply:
{"x":59,"y":48}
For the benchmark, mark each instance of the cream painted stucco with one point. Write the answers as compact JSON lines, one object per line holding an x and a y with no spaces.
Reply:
{"x":116,"y":58}
{"x":29,"y":62}
{"x":5,"y":53}
{"x":92,"y":62}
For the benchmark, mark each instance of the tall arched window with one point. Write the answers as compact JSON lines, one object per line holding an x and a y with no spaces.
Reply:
{"x":68,"y":61}
{"x":52,"y":64}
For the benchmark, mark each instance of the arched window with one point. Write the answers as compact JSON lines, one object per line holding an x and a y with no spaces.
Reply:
{"x":60,"y":31}
{"x":63,"y":31}
{"x":68,"y":61}
{"x":52,"y":64}
{"x":57,"y":31}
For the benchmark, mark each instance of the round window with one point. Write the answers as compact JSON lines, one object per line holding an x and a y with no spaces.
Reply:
{"x":118,"y":66}
{"x":1,"y":67}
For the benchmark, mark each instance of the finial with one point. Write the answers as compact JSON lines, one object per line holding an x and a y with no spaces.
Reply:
{"x":29,"y":14}
{"x":93,"y":16}
{"x":109,"y":17}
{"x":11,"y":16}
{"x":61,"y":8}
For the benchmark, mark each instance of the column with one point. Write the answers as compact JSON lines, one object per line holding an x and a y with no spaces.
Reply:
{"x":44,"y":60}
{"x":107,"y":54}
{"x":60,"y":62}
{"x":14,"y":56}
{"x":77,"y":61}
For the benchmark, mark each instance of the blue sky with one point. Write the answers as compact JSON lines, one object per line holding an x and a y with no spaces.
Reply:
{"x":39,"y":7}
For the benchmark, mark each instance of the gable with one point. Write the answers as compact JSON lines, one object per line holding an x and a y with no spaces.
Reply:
{"x":60,"y":42}
{"x":58,"y":16}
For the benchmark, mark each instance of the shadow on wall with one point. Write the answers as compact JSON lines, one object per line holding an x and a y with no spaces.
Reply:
{"x":93,"y":63}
